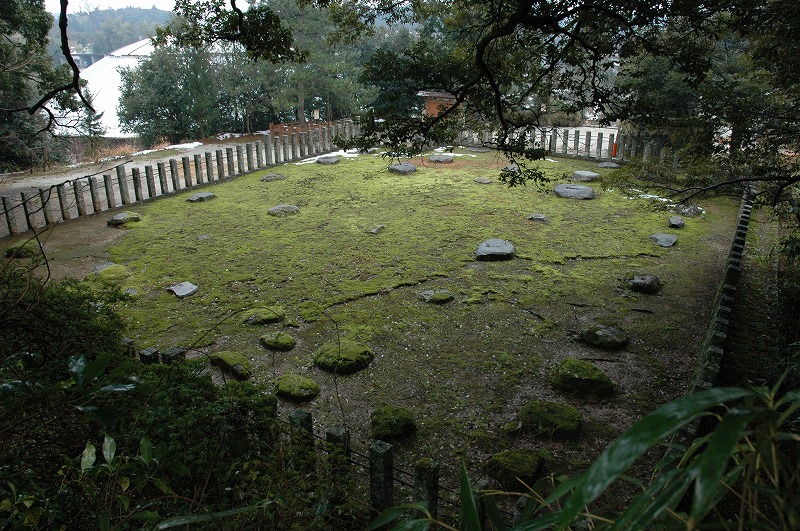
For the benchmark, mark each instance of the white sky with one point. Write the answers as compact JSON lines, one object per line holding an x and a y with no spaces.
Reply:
{"x":76,"y":6}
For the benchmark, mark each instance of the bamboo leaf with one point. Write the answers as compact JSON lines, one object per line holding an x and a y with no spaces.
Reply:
{"x":178,"y":521}
{"x":88,"y":457}
{"x":109,"y":449}
{"x":470,"y":521}
{"x":146,"y":450}
{"x":642,"y":436}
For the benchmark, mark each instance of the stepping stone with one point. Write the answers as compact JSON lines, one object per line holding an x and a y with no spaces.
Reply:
{"x":439,"y":296}
{"x":184,"y":289}
{"x":606,"y":337}
{"x":574,"y":191}
{"x":122,"y":218}
{"x":404,"y":168}
{"x":537,"y":217}
{"x":283,"y":210}
{"x":441,"y":159}
{"x":691,"y":211}
{"x":495,"y":249}
{"x":664,"y":240}
{"x":643,"y":283}
{"x":608,"y":165}
{"x":478,"y":150}
{"x":377,"y":229}
{"x":273,"y":177}
{"x":483,"y":180}
{"x":200,"y":197}
{"x":676,"y":222}
{"x":328,"y":160}
{"x":585,"y":176}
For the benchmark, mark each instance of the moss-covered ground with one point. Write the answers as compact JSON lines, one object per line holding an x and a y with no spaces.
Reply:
{"x":463,"y":368}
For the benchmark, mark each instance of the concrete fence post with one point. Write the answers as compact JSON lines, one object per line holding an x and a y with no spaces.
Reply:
{"x":576,"y":143}
{"x":220,"y":164}
{"x":80,"y":202}
{"x":426,"y":481}
{"x":229,"y":156}
{"x":285,"y":147}
{"x":173,"y":173}
{"x":162,"y":177}
{"x":63,"y":201}
{"x":259,"y":154}
{"x":599,"y":148}
{"x":136,"y":177}
{"x":124,"y":193}
{"x":151,"y":182}
{"x":26,"y":210}
{"x":381,"y":481}
{"x":46,"y":200}
{"x":248,"y":149}
{"x":239,"y":159}
{"x":111,"y":199}
{"x":269,"y":149}
{"x":209,"y":167}
{"x":187,"y":172}
{"x":588,"y":144}
{"x":198,"y":169}
{"x":553,"y":138}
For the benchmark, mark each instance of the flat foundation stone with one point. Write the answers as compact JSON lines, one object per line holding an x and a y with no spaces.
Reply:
{"x":404,"y":168}
{"x":664,"y":240}
{"x":184,"y":289}
{"x":495,"y":249}
{"x":200,"y":196}
{"x":483,"y":180}
{"x":574,"y":191}
{"x":611,"y":165}
{"x":441,"y":159}
{"x":283,"y":210}
{"x":122,"y":218}
{"x":541,"y":218}
{"x":585,"y":176}
{"x":328,"y":160}
{"x":273,"y":177}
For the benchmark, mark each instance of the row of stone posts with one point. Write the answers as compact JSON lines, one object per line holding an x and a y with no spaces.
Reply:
{"x":36,"y":209}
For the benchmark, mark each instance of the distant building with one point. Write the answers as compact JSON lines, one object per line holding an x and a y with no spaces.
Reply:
{"x":436,"y":101}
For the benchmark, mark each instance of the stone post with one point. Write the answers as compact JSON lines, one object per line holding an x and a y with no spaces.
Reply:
{"x":229,"y":156}
{"x":553,"y":137}
{"x":599,"y":150}
{"x":220,"y":164}
{"x":248,"y":148}
{"x":565,"y":142}
{"x":187,"y":172}
{"x":286,"y":153}
{"x":588,"y":144}
{"x":576,"y":143}
{"x":426,"y":481}
{"x":270,"y":149}
{"x":80,"y":202}
{"x":259,"y":154}
{"x":63,"y":201}
{"x":209,"y":167}
{"x":136,"y":177}
{"x":111,"y":199}
{"x":381,"y":481}
{"x":151,"y":182}
{"x":162,"y":177}
{"x":46,"y":199}
{"x":122,"y":180}
{"x":239,"y":159}
{"x":26,"y":210}
{"x":173,"y":173}
{"x":198,"y":168}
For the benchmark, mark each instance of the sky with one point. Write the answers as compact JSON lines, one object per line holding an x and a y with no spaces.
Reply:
{"x":75,"y":6}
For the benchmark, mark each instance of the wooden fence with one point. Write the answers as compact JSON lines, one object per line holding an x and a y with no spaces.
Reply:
{"x":87,"y":196}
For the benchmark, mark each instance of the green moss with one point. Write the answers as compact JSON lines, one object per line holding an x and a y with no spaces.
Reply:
{"x":265,"y":315}
{"x":27,"y":250}
{"x":581,"y":378}
{"x":234,"y":363}
{"x":388,"y":423}
{"x":516,"y":470}
{"x":550,"y":418}
{"x":344,"y":357}
{"x":278,"y":341}
{"x":296,"y":388}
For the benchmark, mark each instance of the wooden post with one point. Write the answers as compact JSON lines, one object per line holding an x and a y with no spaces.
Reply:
{"x":381,"y":481}
{"x":248,"y":148}
{"x":162,"y":177}
{"x":45,"y":199}
{"x":173,"y":173}
{"x":426,"y":481}
{"x":588,"y":144}
{"x":209,"y":167}
{"x":187,"y":172}
{"x":229,"y":155}
{"x":111,"y":199}
{"x":198,"y":169}
{"x":136,"y":177}
{"x":124,"y":193}
{"x":259,"y":154}
{"x":26,"y":210}
{"x":220,"y":164}
{"x":151,"y":182}
{"x":63,"y":201}
{"x":80,"y":202}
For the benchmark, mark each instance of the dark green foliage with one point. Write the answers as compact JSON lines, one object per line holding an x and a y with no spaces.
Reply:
{"x":388,"y":423}
{"x":550,"y":418}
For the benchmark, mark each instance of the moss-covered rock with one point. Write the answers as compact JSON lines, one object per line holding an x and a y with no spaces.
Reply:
{"x":262,"y":316}
{"x":581,"y":378}
{"x":343,"y":357}
{"x":514,"y":469}
{"x":234,"y":363}
{"x":296,"y":388}
{"x":604,"y":336}
{"x":550,"y":418}
{"x":27,"y":250}
{"x":389,"y":423}
{"x":113,"y":274}
{"x":278,"y":341}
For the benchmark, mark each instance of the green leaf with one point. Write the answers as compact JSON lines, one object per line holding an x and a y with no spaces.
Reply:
{"x":470,"y":521}
{"x":413,"y":525}
{"x":493,"y":513}
{"x":147,"y":516}
{"x":393,"y":513}
{"x":179,"y":521}
{"x":88,"y":457}
{"x":118,"y":388}
{"x":652,"y":429}
{"x":109,"y":448}
{"x":76,"y":366}
{"x":715,"y":458}
{"x":146,"y":450}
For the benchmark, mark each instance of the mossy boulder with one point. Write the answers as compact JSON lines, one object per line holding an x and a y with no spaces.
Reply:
{"x":233,"y":363}
{"x":642,"y":282}
{"x":389,"y":423}
{"x":278,"y":341}
{"x":112,"y":274}
{"x":514,"y":469}
{"x":604,"y":336}
{"x":550,"y":418}
{"x":343,"y":357}
{"x":262,"y":316}
{"x":26,"y":250}
{"x":581,"y":378}
{"x":296,"y":388}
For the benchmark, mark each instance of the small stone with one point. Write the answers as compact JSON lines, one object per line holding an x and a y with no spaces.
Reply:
{"x":676,"y":222}
{"x":441,"y":159}
{"x":388,"y":423}
{"x":582,"y":378}
{"x":511,"y":429}
{"x":495,"y":249}
{"x":377,"y":229}
{"x":201,"y":196}
{"x":296,"y":388}
{"x":184,"y":289}
{"x":643,"y":283}
{"x":122,"y":218}
{"x":574,"y":191}
{"x":404,"y":168}
{"x":440,"y":296}
{"x":541,"y":218}
{"x":664,"y":240}
{"x":233,"y":363}
{"x":283,"y":210}
{"x":691,"y":211}
{"x":516,"y":469}
{"x":553,"y":419}
{"x":149,"y":355}
{"x":607,"y":164}
{"x":173,"y":354}
{"x":343,"y":357}
{"x":483,"y":180}
{"x":328,"y":160}
{"x":278,"y":341}
{"x":585,"y":176}
{"x":603,"y":336}
{"x":262,"y":316}
{"x":272,"y":177}
{"x":478,"y":150}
